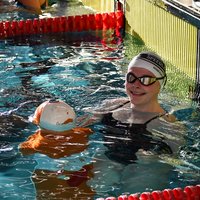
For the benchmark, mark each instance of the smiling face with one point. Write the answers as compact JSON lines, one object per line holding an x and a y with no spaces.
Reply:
{"x":144,"y":98}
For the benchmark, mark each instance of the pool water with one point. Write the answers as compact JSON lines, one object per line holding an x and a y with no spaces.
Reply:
{"x":82,"y":72}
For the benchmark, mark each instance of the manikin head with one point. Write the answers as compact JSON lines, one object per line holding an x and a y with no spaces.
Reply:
{"x":55,"y":115}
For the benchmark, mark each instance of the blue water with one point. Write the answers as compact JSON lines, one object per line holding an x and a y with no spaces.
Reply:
{"x":80,"y":70}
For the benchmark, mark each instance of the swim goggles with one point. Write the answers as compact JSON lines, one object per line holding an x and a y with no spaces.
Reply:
{"x":144,"y":80}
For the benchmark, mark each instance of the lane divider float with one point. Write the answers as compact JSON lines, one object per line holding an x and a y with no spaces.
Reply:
{"x":188,"y":193}
{"x":98,"y":21}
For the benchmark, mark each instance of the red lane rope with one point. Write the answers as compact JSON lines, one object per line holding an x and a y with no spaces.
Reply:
{"x":99,"y":21}
{"x":188,"y":193}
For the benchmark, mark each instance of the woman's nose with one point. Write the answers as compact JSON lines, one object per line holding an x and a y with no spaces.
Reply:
{"x":136,"y":83}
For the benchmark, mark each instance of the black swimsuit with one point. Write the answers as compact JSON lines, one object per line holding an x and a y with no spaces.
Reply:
{"x":124,"y":140}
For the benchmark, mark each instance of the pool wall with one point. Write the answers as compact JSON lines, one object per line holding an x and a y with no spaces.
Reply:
{"x":100,"y":5}
{"x":167,"y":27}
{"x":172,"y":37}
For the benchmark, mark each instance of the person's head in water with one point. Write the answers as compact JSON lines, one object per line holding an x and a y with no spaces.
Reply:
{"x":55,"y":115}
{"x":146,"y":75}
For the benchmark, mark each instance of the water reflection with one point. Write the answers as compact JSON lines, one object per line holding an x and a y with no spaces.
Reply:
{"x":84,"y":74}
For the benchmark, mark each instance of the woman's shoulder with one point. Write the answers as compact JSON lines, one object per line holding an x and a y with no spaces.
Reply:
{"x":109,"y":105}
{"x":169,"y":117}
{"x":115,"y":102}
{"x":95,"y":113}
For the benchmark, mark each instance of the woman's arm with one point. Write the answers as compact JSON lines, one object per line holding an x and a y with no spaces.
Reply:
{"x":95,"y":114}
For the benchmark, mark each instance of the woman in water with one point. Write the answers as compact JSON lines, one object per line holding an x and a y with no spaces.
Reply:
{"x":139,"y":135}
{"x":139,"y":122}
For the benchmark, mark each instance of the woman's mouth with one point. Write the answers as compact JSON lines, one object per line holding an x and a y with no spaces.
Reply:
{"x":134,"y":93}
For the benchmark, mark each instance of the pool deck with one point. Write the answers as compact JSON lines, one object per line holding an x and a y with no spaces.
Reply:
{"x":185,"y":9}
{"x":189,"y":4}
{"x":186,"y":2}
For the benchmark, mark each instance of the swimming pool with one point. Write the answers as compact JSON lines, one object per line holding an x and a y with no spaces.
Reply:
{"x":82,"y":71}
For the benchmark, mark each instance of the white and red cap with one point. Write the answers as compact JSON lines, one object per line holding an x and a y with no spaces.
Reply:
{"x":55,"y":115}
